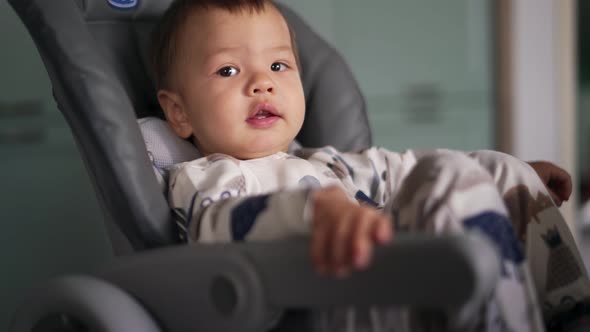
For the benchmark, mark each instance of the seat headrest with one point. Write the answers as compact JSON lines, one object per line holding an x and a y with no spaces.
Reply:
{"x":95,"y":52}
{"x":112,"y":10}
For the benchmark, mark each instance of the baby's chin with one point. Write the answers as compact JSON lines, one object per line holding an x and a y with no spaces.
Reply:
{"x":255,"y":152}
{"x":257,"y":149}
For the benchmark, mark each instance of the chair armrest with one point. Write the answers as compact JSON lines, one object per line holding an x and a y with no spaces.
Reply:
{"x":231,"y":287}
{"x":81,"y":303}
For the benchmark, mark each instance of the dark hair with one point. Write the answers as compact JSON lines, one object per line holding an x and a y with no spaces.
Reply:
{"x":166,"y":35}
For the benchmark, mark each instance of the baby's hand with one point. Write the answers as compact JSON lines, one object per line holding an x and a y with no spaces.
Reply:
{"x":344,"y":233}
{"x":556,"y":179}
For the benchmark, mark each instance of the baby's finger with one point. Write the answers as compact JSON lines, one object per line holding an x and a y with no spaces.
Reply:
{"x":362,"y":244}
{"x":561,"y":184}
{"x":556,"y":199}
{"x":320,"y":243}
{"x":339,"y":261}
{"x":382,"y":231}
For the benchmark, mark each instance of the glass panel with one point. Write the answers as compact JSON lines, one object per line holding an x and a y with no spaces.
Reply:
{"x":423,"y":66}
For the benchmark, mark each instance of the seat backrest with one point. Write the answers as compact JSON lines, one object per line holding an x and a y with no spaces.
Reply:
{"x":96,"y":55}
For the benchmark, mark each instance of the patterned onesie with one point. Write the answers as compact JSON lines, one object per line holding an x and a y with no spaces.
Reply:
{"x":223,"y":199}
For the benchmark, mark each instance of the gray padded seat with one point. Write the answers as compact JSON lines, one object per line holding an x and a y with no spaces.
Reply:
{"x":101,"y":83}
{"x":96,"y":58}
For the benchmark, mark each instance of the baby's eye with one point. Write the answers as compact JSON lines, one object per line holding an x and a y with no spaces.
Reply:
{"x":278,"y":66}
{"x":228,"y":71}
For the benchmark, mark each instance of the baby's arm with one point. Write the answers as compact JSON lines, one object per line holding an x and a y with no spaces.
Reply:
{"x":218,"y":206}
{"x":217,"y":209}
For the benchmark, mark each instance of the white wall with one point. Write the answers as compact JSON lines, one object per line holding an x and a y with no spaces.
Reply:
{"x":535,"y":118}
{"x":543,"y":104}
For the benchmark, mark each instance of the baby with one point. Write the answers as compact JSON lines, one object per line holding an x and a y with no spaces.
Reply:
{"x":227,"y":75}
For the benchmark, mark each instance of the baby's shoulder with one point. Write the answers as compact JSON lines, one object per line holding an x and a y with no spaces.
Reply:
{"x":216,"y":161}
{"x":206,"y":173}
{"x":331,"y":153}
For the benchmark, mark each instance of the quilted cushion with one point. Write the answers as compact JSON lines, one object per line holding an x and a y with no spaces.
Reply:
{"x":165,"y":149}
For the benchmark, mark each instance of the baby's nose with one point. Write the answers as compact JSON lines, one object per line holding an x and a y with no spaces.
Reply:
{"x":261,"y":84}
{"x":268,"y":89}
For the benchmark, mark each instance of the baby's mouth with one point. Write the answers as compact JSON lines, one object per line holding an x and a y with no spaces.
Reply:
{"x":263,"y":110}
{"x":262,"y":114}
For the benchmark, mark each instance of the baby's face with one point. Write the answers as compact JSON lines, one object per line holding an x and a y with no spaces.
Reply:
{"x":238,"y":83}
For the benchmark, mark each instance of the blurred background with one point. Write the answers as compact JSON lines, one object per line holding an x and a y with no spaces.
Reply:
{"x":510,"y":75}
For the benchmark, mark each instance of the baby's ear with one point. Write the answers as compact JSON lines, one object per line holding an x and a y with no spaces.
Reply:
{"x":175,"y":113}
